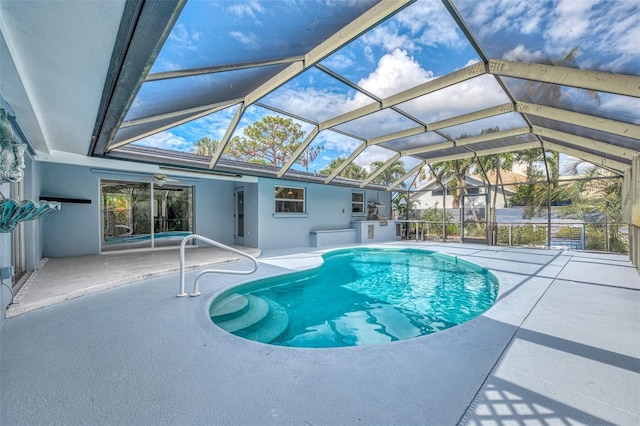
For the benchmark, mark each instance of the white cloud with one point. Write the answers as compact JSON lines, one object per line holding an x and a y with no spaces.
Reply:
{"x":248,"y":39}
{"x":166,"y":140}
{"x":606,"y":32}
{"x":522,"y":54}
{"x":183,"y":38}
{"x":335,"y":142}
{"x":532,"y":24}
{"x":371,"y":154}
{"x":396,"y":72}
{"x":339,"y":62}
{"x":428,"y":23}
{"x":368,"y":54}
{"x":246,"y":9}
{"x":473,"y":94}
{"x":489,"y":17}
{"x":389,"y":38}
{"x":316,"y":103}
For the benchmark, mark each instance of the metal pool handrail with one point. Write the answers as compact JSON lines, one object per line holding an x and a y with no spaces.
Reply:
{"x":209,"y":271}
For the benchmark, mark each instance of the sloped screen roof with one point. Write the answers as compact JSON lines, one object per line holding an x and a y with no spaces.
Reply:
{"x":416,"y":81}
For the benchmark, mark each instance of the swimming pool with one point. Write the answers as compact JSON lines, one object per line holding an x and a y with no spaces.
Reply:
{"x":358,"y":296}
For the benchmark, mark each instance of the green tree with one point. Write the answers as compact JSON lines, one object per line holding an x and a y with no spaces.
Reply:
{"x":533,"y":197}
{"x":458,"y":170}
{"x":435,"y":217}
{"x":389,"y":175}
{"x":402,"y":203}
{"x":597,"y":202}
{"x":205,"y":146}
{"x":592,"y":200}
{"x":352,"y":171}
{"x":271,"y":141}
{"x":496,"y":163}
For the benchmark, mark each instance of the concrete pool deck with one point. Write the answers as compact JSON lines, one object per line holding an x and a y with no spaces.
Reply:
{"x":560,"y":346}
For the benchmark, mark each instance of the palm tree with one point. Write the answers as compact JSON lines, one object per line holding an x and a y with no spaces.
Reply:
{"x":551,"y":94}
{"x":597,"y":201}
{"x":596,"y":198}
{"x":496,"y":163}
{"x":205,"y":146}
{"x":534,"y":197}
{"x":389,"y":175}
{"x":458,"y":169}
{"x":402,"y":203}
{"x":352,"y":171}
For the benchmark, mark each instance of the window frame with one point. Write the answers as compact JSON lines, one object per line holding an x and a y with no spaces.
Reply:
{"x":362,"y":203}
{"x":278,"y":189}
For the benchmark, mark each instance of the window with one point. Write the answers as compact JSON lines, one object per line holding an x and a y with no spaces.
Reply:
{"x":357,"y":203}
{"x":439,"y":192}
{"x":289,"y":199}
{"x":474,"y":190}
{"x":471,"y":190}
{"x":135,"y":216}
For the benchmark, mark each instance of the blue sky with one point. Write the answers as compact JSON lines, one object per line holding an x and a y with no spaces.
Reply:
{"x":416,"y":45}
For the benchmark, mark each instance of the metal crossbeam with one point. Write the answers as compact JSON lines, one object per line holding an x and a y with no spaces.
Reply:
{"x":346,"y":162}
{"x":381,"y":169}
{"x":597,"y":160}
{"x":590,"y":144}
{"x":222,"y":145}
{"x":406,"y":175}
{"x":628,"y":85}
{"x":584,"y":120}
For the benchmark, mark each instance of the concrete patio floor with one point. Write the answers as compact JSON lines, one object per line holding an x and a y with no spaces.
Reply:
{"x":59,"y":279}
{"x":560,"y":346}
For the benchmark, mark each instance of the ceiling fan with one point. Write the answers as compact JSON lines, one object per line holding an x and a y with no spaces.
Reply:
{"x":161,"y":179}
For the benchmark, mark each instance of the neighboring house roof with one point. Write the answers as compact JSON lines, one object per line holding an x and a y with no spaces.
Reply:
{"x":506,"y":176}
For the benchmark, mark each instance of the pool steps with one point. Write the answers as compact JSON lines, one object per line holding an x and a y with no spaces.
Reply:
{"x":230,"y":307}
{"x":251,"y":317}
{"x":272,"y":327}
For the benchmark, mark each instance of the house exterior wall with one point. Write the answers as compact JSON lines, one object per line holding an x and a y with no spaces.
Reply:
{"x":427,"y":200}
{"x":327,"y":207}
{"x":214,"y":210}
{"x":75,"y":230}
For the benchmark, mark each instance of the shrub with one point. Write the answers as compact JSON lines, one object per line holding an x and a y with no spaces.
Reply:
{"x":523,"y":235}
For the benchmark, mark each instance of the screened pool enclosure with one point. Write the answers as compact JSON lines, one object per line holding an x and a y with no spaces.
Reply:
{"x":394,"y":95}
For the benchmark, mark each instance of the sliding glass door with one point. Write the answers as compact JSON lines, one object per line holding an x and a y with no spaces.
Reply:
{"x":144,"y":215}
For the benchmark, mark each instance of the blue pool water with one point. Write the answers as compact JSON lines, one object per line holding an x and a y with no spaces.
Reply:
{"x":358,"y":297}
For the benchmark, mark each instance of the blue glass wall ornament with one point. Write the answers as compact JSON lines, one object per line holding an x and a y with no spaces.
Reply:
{"x":13,"y":212}
{"x":11,"y":153}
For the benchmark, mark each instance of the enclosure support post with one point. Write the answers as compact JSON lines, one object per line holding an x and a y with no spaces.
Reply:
{"x":546,"y":168}
{"x":444,"y":203}
{"x":444,"y":213}
{"x":606,"y":232}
